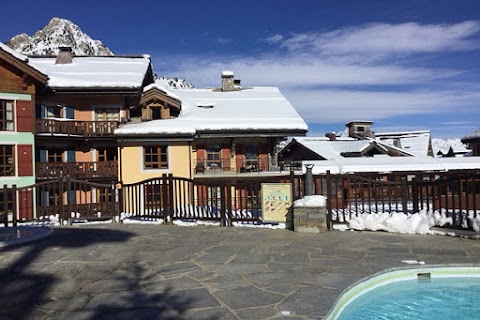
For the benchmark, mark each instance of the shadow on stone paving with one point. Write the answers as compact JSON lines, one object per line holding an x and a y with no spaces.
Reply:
{"x":24,"y":290}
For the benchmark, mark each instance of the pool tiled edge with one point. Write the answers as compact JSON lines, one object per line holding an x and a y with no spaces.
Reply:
{"x":397,"y":274}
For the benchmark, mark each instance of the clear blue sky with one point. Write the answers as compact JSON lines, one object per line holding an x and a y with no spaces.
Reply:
{"x":406,"y":65}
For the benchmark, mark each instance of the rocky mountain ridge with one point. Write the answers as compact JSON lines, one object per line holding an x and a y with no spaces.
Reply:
{"x":58,"y":33}
{"x":64,"y":33}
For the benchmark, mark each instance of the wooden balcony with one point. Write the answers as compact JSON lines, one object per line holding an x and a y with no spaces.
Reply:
{"x":229,"y":166}
{"x":79,"y":170}
{"x":77,"y":127}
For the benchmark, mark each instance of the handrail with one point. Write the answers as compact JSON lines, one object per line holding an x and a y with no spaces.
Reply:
{"x":77,"y":127}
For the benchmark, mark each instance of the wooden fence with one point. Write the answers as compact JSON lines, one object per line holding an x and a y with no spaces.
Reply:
{"x":454,"y":194}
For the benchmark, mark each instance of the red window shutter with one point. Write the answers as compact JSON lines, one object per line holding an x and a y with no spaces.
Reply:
{"x":240,"y":156}
{"x":24,"y":113}
{"x":225,"y":154}
{"x":200,"y":153}
{"x":263,"y":150}
{"x":24,"y":160}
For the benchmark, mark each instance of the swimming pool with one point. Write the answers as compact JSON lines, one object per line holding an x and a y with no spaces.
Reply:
{"x":438,"y":293}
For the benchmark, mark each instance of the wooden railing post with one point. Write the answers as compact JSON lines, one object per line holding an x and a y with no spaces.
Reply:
{"x":60,"y":196}
{"x":14,"y":205}
{"x":223,"y":206}
{"x":5,"y":205}
{"x":415,"y":194}
{"x":296,"y":196}
{"x":171,"y":195}
{"x":229,"y":202}
{"x":119,"y":197}
{"x":329,"y":199}
{"x":404,"y":195}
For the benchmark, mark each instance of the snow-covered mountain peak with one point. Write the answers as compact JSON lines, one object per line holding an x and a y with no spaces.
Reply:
{"x":174,"y":83}
{"x":58,"y":33}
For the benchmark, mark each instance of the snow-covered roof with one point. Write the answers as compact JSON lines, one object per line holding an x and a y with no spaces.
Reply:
{"x":416,"y":142}
{"x":208,"y":110}
{"x":94,"y":72}
{"x":475,"y":134}
{"x":12,"y":52}
{"x":332,"y":149}
{"x":442,"y":146}
{"x":160,"y":84}
{"x":392,"y":164}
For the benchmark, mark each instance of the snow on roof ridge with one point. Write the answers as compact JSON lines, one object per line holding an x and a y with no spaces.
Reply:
{"x":12,"y":52}
{"x":157,"y":85}
{"x":401,"y":132}
{"x":227,"y":73}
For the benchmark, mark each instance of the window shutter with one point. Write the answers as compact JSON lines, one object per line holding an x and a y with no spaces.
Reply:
{"x":40,"y":111}
{"x":71,"y":197}
{"x":240,"y":156}
{"x":43,"y":154}
{"x":24,"y":113}
{"x":200,"y":153}
{"x":44,"y":197}
{"x":70,"y":155}
{"x":69,"y":113}
{"x":263,"y":150}
{"x":225,"y":154}
{"x":24,"y":160}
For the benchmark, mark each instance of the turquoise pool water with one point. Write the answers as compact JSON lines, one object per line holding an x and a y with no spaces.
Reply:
{"x":441,"y":298}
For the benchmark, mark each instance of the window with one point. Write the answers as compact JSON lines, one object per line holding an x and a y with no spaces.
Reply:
{"x":53,"y":111}
{"x":107,"y":154}
{"x":360,"y":129}
{"x":6,"y":115}
{"x":213,"y":156}
{"x":155,"y":157}
{"x":251,"y":157}
{"x":107,"y":114}
{"x":55,"y":155}
{"x":7,"y":161}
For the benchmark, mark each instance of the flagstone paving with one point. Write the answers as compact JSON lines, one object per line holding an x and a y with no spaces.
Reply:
{"x":117,"y":271}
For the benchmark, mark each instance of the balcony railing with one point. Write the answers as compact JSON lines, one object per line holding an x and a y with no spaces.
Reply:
{"x":51,"y":170}
{"x":77,"y":127}
{"x":228,"y":165}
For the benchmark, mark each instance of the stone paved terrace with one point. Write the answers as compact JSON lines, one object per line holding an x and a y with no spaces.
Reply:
{"x":117,"y":271}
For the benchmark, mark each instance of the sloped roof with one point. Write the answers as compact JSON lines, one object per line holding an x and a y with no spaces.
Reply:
{"x":258,"y":109}
{"x":334,"y":149}
{"x":12,"y":52}
{"x":474,"y":135}
{"x":20,"y":62}
{"x":416,"y":142}
{"x":158,"y":84}
{"x":126,"y":72}
{"x":392,"y":164}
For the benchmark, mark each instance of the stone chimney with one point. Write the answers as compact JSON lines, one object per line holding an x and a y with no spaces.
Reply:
{"x":331,"y":135}
{"x":227,"y":81}
{"x":360,"y":129}
{"x":64,"y":56}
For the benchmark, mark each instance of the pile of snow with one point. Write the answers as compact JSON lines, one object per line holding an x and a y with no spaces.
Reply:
{"x":310,"y":201}
{"x":397,"y":222}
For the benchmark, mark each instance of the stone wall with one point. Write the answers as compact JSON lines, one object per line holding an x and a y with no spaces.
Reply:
{"x":309,"y":219}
